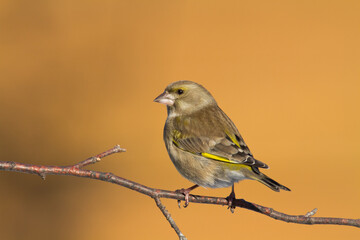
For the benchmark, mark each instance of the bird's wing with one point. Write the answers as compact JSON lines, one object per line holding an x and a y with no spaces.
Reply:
{"x":211,"y":134}
{"x":228,"y":149}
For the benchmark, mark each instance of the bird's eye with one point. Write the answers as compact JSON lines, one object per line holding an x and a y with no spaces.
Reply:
{"x":180,"y":91}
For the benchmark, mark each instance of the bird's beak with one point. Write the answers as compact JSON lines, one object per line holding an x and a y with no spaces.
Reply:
{"x":165,"y":98}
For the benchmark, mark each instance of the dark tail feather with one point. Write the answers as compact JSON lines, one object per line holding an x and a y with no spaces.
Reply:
{"x":271,"y":183}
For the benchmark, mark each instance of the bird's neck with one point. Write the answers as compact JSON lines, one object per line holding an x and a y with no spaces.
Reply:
{"x":175,"y":110}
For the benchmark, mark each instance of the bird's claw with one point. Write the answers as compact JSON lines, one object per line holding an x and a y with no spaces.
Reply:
{"x":230,"y":199}
{"x":186,"y":193}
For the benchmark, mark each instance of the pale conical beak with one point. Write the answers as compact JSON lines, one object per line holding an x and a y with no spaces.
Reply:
{"x":165,"y":98}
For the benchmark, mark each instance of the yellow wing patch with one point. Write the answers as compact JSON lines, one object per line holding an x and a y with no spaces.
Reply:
{"x":218,"y":158}
{"x":233,"y":139}
{"x":236,"y":165}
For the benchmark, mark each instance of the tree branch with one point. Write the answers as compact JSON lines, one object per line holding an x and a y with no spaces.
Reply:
{"x":77,"y":171}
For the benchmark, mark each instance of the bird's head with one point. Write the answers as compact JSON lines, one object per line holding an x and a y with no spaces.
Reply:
{"x":185,"y":97}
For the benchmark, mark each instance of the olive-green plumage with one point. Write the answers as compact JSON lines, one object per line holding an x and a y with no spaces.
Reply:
{"x":203,"y":143}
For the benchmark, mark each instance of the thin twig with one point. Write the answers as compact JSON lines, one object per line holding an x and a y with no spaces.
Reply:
{"x":169,"y":218}
{"x":97,"y":158}
{"x":76,"y":170}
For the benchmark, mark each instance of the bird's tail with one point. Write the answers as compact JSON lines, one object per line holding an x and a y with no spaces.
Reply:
{"x":271,"y":183}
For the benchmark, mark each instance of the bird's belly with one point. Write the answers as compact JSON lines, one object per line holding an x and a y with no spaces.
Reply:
{"x":205,"y":172}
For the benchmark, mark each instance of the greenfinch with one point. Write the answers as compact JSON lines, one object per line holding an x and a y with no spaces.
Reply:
{"x":204,"y":144}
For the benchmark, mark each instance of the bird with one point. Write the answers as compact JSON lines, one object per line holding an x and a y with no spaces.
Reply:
{"x":204,"y":144}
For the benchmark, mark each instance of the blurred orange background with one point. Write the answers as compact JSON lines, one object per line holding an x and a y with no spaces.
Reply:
{"x":79,"y":77}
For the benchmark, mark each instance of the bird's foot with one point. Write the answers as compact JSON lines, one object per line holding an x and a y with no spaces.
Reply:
{"x":186,"y":193}
{"x":230,"y":199}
